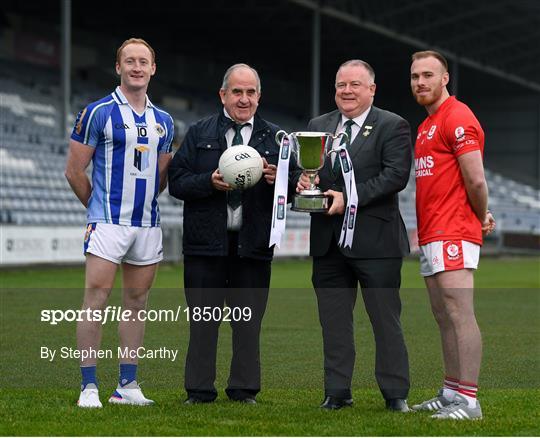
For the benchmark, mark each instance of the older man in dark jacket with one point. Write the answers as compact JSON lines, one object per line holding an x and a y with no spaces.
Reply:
{"x":226,"y":235}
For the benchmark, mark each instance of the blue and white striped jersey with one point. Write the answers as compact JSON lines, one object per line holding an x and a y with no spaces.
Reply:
{"x":125,"y":176}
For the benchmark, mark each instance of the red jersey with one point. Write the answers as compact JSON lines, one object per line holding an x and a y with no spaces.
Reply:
{"x":443,"y":210}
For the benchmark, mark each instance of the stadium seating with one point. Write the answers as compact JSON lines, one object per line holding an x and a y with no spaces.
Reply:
{"x":33,"y":152}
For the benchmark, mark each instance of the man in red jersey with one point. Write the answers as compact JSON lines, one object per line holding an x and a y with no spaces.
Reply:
{"x":451,"y":209}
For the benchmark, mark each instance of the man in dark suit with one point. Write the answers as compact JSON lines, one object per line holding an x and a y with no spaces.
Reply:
{"x":380,"y":149}
{"x":225,"y":242}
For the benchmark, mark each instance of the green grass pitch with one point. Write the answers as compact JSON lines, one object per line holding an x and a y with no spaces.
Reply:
{"x":38,"y":397}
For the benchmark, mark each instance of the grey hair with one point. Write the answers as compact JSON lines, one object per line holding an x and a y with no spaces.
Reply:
{"x":357,"y":63}
{"x":232,"y":68}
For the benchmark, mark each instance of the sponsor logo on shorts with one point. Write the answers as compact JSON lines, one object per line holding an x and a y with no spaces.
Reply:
{"x":435,"y":261}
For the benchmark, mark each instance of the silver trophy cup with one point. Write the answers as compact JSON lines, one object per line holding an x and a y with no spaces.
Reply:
{"x":310,"y":150}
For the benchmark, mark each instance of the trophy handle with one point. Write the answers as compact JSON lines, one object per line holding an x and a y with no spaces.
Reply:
{"x":341,"y":134}
{"x":335,"y":137}
{"x":279,"y":136}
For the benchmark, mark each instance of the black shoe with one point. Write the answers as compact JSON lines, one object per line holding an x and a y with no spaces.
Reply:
{"x":195,"y":401}
{"x":247,"y":401}
{"x":397,"y":404}
{"x":336,"y":402}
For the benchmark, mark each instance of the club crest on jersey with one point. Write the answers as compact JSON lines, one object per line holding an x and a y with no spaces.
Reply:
{"x":431,"y":132}
{"x":160,"y":130}
{"x":78,"y":125}
{"x":141,"y":158}
{"x":460,"y":133}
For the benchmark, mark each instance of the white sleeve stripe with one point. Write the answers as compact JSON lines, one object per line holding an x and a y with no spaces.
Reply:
{"x":90,"y":117}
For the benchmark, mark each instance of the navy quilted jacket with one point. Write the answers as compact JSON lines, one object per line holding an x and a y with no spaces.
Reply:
{"x":205,"y":209}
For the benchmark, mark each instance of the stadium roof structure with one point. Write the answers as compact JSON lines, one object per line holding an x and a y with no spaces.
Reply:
{"x":493,"y":45}
{"x":497,"y":37}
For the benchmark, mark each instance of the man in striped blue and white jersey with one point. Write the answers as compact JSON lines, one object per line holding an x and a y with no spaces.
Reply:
{"x":128,"y":140}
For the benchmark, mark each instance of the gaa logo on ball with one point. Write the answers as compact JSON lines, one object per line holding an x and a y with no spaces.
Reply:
{"x":241,"y":166}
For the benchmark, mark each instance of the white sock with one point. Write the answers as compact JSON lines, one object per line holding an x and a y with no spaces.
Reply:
{"x":471,"y":401}
{"x":468,"y":392}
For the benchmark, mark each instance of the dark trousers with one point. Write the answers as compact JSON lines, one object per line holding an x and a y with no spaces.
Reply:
{"x":236,"y":282}
{"x":335,"y":279}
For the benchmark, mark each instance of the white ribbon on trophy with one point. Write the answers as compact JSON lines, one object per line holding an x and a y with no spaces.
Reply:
{"x":279,"y":211}
{"x":349,"y":219}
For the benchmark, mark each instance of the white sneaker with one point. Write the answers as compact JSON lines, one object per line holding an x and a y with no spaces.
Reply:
{"x":459,"y":410}
{"x":130,"y":394}
{"x":89,"y":397}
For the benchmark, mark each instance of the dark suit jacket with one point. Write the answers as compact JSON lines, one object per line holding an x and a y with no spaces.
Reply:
{"x":382,"y":162}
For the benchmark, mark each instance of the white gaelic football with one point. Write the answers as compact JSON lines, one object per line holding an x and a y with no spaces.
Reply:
{"x":241,"y":166}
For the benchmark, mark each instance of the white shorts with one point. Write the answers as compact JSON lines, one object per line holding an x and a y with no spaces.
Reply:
{"x":448,"y":255}
{"x":124,"y":243}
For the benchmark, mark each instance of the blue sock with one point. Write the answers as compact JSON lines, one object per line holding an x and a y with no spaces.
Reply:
{"x":128,"y":373}
{"x":88,"y":376}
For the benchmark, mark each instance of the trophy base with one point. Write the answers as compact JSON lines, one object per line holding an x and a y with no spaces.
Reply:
{"x":317,"y":203}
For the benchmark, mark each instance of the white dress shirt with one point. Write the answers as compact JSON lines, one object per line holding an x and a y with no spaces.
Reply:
{"x":355,"y":129}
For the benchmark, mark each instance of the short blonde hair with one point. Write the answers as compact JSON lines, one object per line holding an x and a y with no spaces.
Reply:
{"x":135,"y":41}
{"x":430,"y":53}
